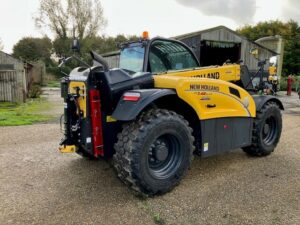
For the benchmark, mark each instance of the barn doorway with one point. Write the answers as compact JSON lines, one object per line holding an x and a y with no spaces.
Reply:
{"x":217,"y":52}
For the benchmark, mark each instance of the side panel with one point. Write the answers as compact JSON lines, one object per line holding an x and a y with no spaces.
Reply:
{"x":224,"y":134}
{"x":210,"y":98}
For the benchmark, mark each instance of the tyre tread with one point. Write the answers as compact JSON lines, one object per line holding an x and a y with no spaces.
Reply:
{"x":129,"y":142}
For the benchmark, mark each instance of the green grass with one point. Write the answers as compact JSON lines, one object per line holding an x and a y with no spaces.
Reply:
{"x":53,"y":84}
{"x":156,"y":217}
{"x":12,"y":114}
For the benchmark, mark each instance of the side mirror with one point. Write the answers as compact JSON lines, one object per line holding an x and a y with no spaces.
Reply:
{"x":254,"y":52}
{"x":75,"y":45}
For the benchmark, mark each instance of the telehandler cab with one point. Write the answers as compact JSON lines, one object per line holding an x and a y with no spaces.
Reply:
{"x":159,"y":108}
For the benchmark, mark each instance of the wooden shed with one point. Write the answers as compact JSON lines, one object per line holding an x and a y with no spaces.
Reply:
{"x":13,"y":82}
{"x":216,"y":45}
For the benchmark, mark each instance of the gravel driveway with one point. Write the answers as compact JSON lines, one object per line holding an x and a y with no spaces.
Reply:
{"x":38,"y":185}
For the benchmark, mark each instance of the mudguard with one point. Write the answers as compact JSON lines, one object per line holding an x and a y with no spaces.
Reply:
{"x":260,"y":100}
{"x":129,"y":110}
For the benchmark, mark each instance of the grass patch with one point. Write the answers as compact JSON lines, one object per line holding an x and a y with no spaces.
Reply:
{"x":12,"y":114}
{"x":53,"y":84}
{"x":156,"y":217}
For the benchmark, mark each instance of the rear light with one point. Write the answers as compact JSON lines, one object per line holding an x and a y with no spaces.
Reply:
{"x":131,"y":96}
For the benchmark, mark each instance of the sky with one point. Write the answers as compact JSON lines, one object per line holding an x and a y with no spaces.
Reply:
{"x":164,"y":18}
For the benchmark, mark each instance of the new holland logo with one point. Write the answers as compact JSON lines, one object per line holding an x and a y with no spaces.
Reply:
{"x":203,"y":87}
{"x":214,"y":75}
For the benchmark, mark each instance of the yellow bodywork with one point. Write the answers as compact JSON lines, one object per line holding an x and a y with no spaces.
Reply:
{"x":210,"y":98}
{"x":67,"y":148}
{"x":205,"y":89}
{"x":273,"y":75}
{"x":74,"y":85}
{"x":272,"y":70}
{"x":110,"y":119}
{"x":230,"y":72}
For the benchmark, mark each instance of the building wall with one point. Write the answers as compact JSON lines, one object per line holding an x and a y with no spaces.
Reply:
{"x":36,"y":73}
{"x":249,"y":59}
{"x":11,"y":89}
{"x":225,"y":35}
{"x":13,"y":86}
{"x":276,"y":44}
{"x":6,"y":59}
{"x":221,"y":34}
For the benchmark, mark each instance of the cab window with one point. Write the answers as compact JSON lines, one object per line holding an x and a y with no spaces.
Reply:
{"x":132,"y":58}
{"x":170,"y":55}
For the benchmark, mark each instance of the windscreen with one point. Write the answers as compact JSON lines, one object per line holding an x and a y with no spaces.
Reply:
{"x":132,"y":58}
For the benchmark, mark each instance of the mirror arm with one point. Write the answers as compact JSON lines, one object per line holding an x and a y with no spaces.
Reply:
{"x":82,"y":62}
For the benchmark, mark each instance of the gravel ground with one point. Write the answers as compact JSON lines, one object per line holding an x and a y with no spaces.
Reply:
{"x":38,"y":185}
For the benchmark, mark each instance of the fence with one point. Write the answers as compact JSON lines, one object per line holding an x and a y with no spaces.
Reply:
{"x":12,"y":86}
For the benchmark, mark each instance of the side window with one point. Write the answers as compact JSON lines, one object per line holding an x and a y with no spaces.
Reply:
{"x":169,"y":55}
{"x":156,"y":63}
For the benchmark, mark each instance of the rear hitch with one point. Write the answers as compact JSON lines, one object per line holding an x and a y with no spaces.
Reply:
{"x":67,"y":148}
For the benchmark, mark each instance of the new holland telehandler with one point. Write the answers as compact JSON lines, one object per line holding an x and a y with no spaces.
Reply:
{"x":159,"y":108}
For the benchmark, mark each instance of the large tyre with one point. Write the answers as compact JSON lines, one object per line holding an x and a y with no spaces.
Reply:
{"x":154,"y":152}
{"x":266,"y":130}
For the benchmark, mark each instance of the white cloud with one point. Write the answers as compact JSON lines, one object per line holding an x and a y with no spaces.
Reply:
{"x":241,"y":11}
{"x":291,"y":10}
{"x":164,"y":18}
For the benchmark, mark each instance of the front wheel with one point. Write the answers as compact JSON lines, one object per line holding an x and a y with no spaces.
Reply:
{"x":154,"y":152}
{"x":266,"y":130}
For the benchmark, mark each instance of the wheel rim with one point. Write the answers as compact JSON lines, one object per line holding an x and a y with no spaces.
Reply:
{"x":164,"y":156}
{"x":269,"y":130}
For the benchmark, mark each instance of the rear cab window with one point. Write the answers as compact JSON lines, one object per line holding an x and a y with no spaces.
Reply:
{"x":168,"y":55}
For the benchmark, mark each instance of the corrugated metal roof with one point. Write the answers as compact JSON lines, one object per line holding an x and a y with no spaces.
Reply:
{"x":15,"y":59}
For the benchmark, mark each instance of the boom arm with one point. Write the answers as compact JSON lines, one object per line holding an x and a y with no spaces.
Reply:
{"x":230,"y":72}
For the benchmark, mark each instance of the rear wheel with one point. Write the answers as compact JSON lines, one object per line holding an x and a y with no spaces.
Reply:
{"x":266,"y":130}
{"x":154,"y":152}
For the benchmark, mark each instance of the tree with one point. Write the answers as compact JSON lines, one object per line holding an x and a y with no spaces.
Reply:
{"x":82,"y":18}
{"x":102,"y":44}
{"x":290,"y":31}
{"x":33,"y":49}
{"x":62,"y":47}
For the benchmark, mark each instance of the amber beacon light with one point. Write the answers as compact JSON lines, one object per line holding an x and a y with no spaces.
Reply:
{"x":145,"y":35}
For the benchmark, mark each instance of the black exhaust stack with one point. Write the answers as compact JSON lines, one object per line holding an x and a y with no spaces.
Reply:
{"x":101,"y":60}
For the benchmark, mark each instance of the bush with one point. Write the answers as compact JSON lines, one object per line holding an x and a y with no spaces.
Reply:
{"x":283,"y":84}
{"x":295,"y":86}
{"x":35,"y":91}
{"x":57,"y":72}
{"x":54,"y":71}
